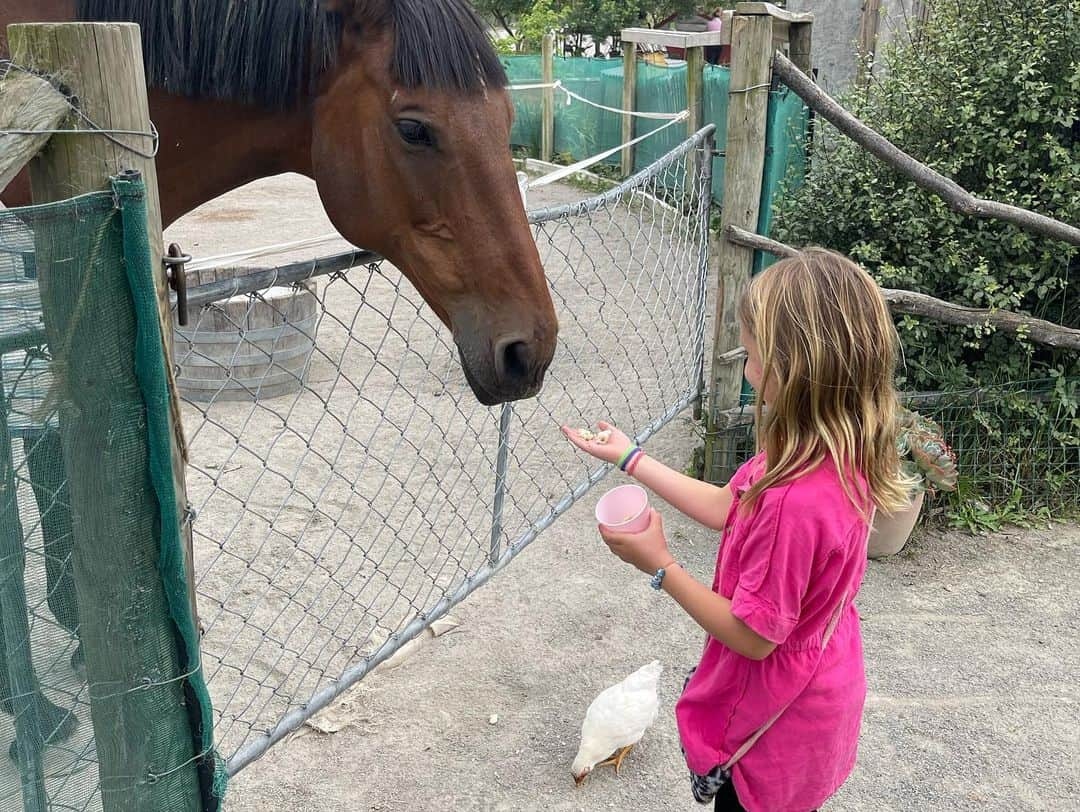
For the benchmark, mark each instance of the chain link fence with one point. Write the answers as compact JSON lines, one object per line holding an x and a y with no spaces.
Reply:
{"x":348,"y":489}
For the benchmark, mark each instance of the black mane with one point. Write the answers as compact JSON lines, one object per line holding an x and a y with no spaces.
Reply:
{"x":271,"y":52}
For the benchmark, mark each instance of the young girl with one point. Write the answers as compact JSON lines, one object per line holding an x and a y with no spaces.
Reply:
{"x":769,"y":719}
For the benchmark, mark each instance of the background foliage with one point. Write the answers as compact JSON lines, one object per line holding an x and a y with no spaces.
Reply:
{"x":989,"y":95}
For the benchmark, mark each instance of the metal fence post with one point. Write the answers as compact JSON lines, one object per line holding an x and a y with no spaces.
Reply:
{"x":501,"y":463}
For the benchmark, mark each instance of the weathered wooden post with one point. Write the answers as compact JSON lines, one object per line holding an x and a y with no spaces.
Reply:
{"x":547,"y":119}
{"x":695,"y":87}
{"x":757,"y":30}
{"x":146,"y":747}
{"x":629,"y":96}
{"x":869,"y":22}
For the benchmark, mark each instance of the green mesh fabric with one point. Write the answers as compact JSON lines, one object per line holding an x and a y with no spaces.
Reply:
{"x":104,"y":705}
{"x":582,"y":130}
{"x":786,"y":134}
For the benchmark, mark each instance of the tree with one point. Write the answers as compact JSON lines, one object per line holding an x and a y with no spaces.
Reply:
{"x":528,"y":20}
{"x":504,"y":12}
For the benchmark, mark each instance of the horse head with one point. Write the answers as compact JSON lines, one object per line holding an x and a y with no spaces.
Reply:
{"x":411,"y":155}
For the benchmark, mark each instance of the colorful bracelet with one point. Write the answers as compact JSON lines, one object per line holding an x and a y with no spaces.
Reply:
{"x":633,"y":463}
{"x":627,"y":455}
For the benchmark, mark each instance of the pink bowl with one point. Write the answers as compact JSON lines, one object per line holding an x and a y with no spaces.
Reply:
{"x":624,"y":509}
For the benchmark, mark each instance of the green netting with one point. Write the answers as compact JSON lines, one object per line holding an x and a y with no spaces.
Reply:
{"x":786,"y":137}
{"x":582,"y":130}
{"x":105,"y":706}
{"x":717,"y":82}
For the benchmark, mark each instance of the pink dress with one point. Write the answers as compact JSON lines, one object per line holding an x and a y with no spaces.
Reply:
{"x":785,"y":567}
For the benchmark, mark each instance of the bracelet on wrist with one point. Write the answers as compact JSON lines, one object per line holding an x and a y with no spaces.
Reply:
{"x":633,"y":463}
{"x":657,"y":581}
{"x":628,"y":455}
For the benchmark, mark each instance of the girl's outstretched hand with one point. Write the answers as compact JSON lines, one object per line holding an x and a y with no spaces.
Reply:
{"x":610,"y":451}
{"x":647,"y":550}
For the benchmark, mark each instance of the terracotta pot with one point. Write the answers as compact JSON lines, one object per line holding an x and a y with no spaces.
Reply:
{"x":892,"y":531}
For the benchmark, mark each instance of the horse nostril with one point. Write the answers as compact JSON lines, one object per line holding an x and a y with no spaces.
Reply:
{"x":514,"y":361}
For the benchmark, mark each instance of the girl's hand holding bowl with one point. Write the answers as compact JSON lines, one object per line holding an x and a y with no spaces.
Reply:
{"x":611,"y":451}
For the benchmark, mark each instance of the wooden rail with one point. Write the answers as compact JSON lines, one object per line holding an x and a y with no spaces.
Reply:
{"x":947,"y":189}
{"x":906,"y":302}
{"x":30,"y":107}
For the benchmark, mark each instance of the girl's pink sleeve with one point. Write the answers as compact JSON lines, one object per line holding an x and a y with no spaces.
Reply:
{"x":775,"y":566}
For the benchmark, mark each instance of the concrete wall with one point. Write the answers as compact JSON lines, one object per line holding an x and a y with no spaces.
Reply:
{"x":836,"y":34}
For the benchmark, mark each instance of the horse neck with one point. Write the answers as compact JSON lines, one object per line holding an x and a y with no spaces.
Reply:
{"x":210,"y":147}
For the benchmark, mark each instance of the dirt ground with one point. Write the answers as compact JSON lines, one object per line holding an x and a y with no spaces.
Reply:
{"x":973,"y":660}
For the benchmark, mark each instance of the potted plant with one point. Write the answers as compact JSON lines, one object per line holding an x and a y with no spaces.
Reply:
{"x":927,"y":458}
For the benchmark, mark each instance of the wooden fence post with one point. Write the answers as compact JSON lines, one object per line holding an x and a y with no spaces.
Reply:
{"x":751,"y":58}
{"x":695,"y":82}
{"x":629,"y":94}
{"x":547,"y":126}
{"x":869,"y":22}
{"x":757,"y":30}
{"x":146,"y":747}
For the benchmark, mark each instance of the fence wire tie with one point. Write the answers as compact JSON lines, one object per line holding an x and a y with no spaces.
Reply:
{"x":94,"y":129}
{"x":748,"y":89}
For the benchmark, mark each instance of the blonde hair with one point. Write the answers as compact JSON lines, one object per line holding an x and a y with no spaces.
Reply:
{"x":829,"y":347}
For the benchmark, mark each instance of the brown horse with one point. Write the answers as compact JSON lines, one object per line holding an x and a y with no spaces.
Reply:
{"x":397,"y":109}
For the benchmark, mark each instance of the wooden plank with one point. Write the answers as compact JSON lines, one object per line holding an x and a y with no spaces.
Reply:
{"x":869,"y":20}
{"x":906,"y":302}
{"x":675,"y":39}
{"x":547,"y":123}
{"x":751,"y":57}
{"x":801,"y":43}
{"x":769,"y":10}
{"x":123,"y":616}
{"x":28,"y":103}
{"x":629,"y":96}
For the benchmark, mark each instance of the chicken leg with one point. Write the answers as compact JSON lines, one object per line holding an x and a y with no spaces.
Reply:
{"x":617,"y":759}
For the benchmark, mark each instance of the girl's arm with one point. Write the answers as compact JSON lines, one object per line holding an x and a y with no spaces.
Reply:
{"x":712,"y":612}
{"x":706,"y":504}
{"x":648,"y":551}
{"x":703,"y":502}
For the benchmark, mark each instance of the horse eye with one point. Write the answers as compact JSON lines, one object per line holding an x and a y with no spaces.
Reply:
{"x":415,"y":133}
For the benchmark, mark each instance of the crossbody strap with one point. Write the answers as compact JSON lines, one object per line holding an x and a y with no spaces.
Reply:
{"x":834,"y":620}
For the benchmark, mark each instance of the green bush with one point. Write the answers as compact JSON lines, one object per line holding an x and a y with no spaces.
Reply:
{"x":988,"y":95}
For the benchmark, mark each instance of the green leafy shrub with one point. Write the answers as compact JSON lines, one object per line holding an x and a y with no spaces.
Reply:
{"x":989,"y":95}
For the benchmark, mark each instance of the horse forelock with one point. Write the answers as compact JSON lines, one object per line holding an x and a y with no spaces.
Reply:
{"x":272,"y":53}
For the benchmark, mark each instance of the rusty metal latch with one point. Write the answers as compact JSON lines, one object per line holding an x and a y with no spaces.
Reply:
{"x":175,"y":273}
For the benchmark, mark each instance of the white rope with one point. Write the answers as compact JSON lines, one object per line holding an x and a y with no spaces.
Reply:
{"x":566,"y":171}
{"x":571,"y":95}
{"x":223,"y":260}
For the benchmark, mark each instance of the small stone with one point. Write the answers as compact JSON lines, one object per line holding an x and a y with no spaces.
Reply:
{"x":493,"y":719}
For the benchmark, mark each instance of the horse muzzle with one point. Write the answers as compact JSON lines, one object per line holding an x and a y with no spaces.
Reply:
{"x":513,"y":369}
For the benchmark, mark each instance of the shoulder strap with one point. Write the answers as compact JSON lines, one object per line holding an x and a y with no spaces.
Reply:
{"x":834,"y":621}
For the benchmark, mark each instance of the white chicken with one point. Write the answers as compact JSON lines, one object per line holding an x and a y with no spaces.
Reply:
{"x":616,"y":720}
